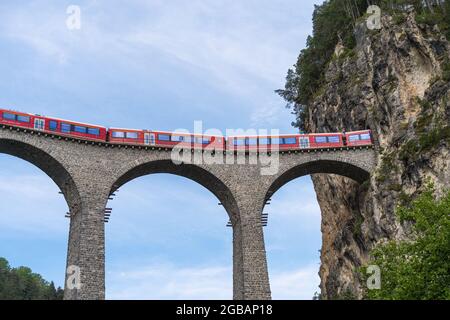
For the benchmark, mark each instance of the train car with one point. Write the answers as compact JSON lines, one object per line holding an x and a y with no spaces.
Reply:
{"x":321,"y":140}
{"x":285,"y":142}
{"x":358,"y":138}
{"x":187,"y":140}
{"x":242,"y":143}
{"x":262,"y":143}
{"x":53,"y":125}
{"x":165,"y":139}
{"x":130,"y":136}
{"x":17,"y":119}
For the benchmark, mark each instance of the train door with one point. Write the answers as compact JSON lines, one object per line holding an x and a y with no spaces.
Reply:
{"x":303,"y":142}
{"x":149,"y":138}
{"x":39,"y":124}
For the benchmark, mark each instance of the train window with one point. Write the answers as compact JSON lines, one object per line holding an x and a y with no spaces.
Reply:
{"x":118,"y":134}
{"x":80,"y":129}
{"x":320,"y":139}
{"x":333,"y":139}
{"x":353,"y":137}
{"x":238,"y":142}
{"x":9,"y":116}
{"x":65,"y":127}
{"x":276,"y":140}
{"x":132,"y":135}
{"x":365,"y":136}
{"x":53,"y":125}
{"x":290,"y":140}
{"x":205,"y":140}
{"x":264,"y":141}
{"x":177,"y":138}
{"x":251,"y":141}
{"x":164,"y":137}
{"x":94,"y":131}
{"x":23,"y":118}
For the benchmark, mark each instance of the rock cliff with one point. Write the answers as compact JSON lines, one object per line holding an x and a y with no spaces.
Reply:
{"x":396,"y":83}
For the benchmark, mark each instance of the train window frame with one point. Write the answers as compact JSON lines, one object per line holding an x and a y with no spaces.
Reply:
{"x":131,"y":135}
{"x":79,"y":129}
{"x":163,"y":137}
{"x":9,"y":116}
{"x":118,"y":134}
{"x":53,"y":125}
{"x":276,"y":141}
{"x":333,"y":139}
{"x":254,"y":141}
{"x":320,"y":139}
{"x":64,"y":127}
{"x":177,"y":138}
{"x":285,"y":140}
{"x":365,"y":136}
{"x":93,"y":131}
{"x":21,"y":118}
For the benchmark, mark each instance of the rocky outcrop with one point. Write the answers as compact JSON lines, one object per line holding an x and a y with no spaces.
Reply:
{"x":394,"y":83}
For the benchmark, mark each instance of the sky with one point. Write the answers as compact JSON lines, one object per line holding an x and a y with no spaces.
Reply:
{"x":158,"y":65}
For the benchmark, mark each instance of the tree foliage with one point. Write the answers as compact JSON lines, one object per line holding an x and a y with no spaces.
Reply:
{"x":419,"y":268}
{"x":334,"y":20}
{"x":22,"y":284}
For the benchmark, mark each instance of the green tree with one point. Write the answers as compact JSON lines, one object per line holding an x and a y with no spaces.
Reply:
{"x":22,"y":284}
{"x":418,"y":268}
{"x":334,"y":21}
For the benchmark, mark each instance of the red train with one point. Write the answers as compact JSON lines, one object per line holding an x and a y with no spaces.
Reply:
{"x":165,"y":139}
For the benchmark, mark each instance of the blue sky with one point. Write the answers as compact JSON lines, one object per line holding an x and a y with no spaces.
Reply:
{"x":157,"y":65}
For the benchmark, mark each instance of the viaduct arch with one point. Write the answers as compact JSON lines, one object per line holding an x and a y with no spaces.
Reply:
{"x":87,"y":173}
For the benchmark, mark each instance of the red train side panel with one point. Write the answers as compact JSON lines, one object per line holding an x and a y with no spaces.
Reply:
{"x":53,"y":125}
{"x":187,"y":140}
{"x":127,"y":136}
{"x":359,"y":138}
{"x":15,"y":118}
{"x":325,"y":140}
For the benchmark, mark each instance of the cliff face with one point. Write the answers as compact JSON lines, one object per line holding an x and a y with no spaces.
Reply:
{"x":396,"y":83}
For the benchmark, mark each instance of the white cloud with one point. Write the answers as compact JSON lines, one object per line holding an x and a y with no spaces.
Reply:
{"x":243,"y":48}
{"x":167,"y":281}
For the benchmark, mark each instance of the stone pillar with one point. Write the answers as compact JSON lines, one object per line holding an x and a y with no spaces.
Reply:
{"x":85,"y":273}
{"x":250,"y":275}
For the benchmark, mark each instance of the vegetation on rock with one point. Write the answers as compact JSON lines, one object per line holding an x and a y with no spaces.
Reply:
{"x":419,"y":268}
{"x":334,"y":21}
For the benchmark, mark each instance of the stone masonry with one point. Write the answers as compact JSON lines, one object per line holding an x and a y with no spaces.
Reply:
{"x":88,"y":173}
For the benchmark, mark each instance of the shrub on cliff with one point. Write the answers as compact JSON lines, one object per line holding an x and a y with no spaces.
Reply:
{"x":419,"y":268}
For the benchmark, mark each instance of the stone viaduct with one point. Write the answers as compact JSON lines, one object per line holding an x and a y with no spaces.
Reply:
{"x":88,"y":173}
